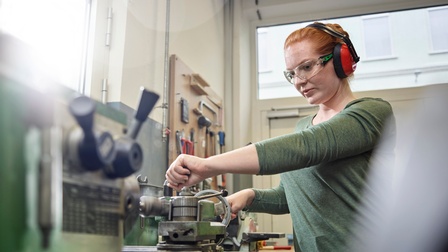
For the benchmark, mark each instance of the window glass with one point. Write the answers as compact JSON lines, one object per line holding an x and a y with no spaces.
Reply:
{"x":377,"y":39}
{"x":55,"y":29}
{"x":438,"y":18}
{"x":264,"y":64}
{"x":396,"y":50}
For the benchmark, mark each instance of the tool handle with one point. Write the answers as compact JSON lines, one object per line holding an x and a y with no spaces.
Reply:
{"x":147,"y":102}
{"x":222,"y":136}
{"x":178,"y":142}
{"x":83,"y":110}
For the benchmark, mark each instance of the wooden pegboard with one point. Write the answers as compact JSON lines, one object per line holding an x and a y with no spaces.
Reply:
{"x":193,"y":101}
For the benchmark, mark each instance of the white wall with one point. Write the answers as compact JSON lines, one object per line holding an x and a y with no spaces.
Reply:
{"x":136,"y":55}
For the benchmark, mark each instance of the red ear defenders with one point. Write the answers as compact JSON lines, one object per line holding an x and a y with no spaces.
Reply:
{"x":344,"y":54}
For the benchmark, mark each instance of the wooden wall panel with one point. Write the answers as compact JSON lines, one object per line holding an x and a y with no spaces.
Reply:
{"x":191,"y":98}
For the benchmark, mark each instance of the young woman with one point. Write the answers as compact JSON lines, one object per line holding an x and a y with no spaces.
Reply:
{"x":324,"y":163}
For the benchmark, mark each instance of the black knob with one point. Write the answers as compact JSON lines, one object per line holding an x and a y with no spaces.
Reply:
{"x":204,"y":122}
{"x":129,"y":157}
{"x":95,"y":149}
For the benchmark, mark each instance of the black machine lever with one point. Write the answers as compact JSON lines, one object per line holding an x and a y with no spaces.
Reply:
{"x":129,"y":154}
{"x":147,"y":102}
{"x":95,"y":149}
{"x":222,"y":193}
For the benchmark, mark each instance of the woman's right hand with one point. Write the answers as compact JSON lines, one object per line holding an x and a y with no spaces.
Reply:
{"x":186,"y":171}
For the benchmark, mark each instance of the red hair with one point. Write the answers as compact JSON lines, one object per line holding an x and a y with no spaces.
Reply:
{"x":324,"y":42}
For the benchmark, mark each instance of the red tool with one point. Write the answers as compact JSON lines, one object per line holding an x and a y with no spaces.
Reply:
{"x":187,"y":146}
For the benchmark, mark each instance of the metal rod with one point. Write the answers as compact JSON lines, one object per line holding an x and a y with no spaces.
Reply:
{"x":166,"y":74}
{"x":109,"y":26}
{"x":104,"y":91}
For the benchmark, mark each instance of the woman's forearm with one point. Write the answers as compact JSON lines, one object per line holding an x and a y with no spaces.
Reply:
{"x":240,"y":161}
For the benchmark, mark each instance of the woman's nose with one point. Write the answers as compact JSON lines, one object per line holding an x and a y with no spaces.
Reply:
{"x":299,"y":81}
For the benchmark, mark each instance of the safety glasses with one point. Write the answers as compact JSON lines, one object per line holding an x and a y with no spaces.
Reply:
{"x":308,"y":69}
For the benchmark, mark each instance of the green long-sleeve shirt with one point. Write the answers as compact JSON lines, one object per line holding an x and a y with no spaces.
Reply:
{"x":323,"y":173}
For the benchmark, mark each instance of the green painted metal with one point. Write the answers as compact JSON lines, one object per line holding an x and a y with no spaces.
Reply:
{"x":20,"y":154}
{"x":143,"y":233}
{"x":12,"y":168}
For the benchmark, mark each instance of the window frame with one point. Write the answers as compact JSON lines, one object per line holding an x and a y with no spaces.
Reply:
{"x":411,"y":74}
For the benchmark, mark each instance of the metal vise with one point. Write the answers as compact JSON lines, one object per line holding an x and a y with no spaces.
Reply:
{"x":191,"y":220}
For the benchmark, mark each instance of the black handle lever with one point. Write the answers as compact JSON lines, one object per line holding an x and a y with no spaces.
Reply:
{"x":129,"y":156}
{"x":148,"y":100}
{"x":83,"y":109}
{"x":95,"y":149}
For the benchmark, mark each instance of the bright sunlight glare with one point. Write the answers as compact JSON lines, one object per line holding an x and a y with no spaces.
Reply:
{"x":55,"y":31}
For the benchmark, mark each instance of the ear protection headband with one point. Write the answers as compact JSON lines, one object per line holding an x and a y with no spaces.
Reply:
{"x":344,"y":55}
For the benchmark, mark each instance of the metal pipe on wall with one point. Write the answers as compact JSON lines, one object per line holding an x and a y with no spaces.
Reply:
{"x":228,"y":78}
{"x":166,"y":74}
{"x":104,"y":91}
{"x":167,"y":191}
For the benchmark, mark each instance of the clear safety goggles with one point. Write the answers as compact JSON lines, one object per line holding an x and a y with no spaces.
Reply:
{"x":308,"y":69}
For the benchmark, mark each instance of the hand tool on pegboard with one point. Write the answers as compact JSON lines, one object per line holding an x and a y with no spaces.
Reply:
{"x":178,"y":142}
{"x":192,"y":140}
{"x":187,"y":146}
{"x":222,"y":143}
{"x":203,"y":122}
{"x":212,"y":153}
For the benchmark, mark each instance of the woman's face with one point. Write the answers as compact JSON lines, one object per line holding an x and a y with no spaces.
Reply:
{"x":321,"y":87}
